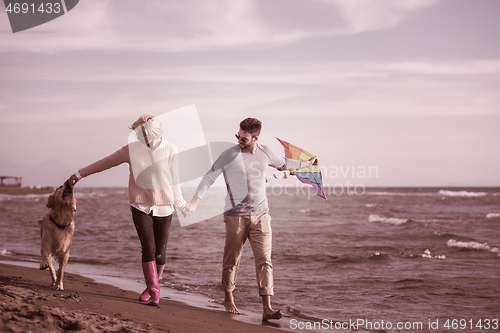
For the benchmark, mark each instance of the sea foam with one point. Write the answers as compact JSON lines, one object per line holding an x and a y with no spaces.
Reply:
{"x":492,"y":215}
{"x":4,"y":197}
{"x":464,"y":194}
{"x":473,"y":246}
{"x":389,"y":220}
{"x":427,"y":254}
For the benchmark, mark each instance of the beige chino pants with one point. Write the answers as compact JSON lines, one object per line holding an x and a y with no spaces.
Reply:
{"x":257,"y":228}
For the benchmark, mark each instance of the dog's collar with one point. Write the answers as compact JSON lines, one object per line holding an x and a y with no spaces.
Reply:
{"x":58,"y":225}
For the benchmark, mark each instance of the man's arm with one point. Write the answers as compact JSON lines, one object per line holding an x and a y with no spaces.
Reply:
{"x":190,"y":207}
{"x":209,"y":178}
{"x":205,"y":183}
{"x":283,"y":163}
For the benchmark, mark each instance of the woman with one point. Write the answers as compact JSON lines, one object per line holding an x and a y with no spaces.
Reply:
{"x":153,"y":190}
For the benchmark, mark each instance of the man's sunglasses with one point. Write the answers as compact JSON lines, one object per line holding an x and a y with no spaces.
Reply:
{"x":244,"y":140}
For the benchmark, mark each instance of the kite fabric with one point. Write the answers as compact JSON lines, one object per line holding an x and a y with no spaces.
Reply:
{"x":310,"y":175}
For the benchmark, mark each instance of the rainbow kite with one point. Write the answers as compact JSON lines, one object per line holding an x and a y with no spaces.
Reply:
{"x":311,"y":175}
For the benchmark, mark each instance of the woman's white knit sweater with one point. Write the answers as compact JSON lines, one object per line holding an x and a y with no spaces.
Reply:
{"x":153,"y":178}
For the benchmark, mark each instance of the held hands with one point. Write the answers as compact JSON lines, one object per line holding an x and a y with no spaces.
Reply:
{"x":73,"y":180}
{"x":186,"y":210}
{"x":190,"y":207}
{"x":308,"y":163}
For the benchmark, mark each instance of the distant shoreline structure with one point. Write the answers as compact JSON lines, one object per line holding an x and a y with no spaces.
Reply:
{"x":13,"y":185}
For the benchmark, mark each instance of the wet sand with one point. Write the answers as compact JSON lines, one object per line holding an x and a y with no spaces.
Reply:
{"x":28,"y":303}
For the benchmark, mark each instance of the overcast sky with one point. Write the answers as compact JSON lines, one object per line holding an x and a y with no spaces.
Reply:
{"x":410,"y":87}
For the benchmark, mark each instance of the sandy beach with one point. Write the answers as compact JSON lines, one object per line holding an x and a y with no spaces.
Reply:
{"x":29,"y":303}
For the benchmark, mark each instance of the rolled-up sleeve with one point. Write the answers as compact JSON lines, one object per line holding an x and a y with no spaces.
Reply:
{"x":281,"y":163}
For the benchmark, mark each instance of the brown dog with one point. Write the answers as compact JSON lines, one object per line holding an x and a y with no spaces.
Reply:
{"x":56,"y":230}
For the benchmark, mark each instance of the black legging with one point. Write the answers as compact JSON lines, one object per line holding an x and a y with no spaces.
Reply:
{"x":153,"y":232}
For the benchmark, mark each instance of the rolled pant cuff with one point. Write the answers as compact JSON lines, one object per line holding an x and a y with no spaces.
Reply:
{"x":266,"y":292}
{"x":228,"y":288}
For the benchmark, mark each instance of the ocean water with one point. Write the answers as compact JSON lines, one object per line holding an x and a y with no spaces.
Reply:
{"x":368,"y":262}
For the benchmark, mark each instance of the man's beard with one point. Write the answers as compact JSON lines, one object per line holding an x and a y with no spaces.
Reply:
{"x":245,"y":146}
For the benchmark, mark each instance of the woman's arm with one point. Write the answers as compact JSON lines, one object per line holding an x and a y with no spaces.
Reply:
{"x":174,"y":174}
{"x":118,"y":157}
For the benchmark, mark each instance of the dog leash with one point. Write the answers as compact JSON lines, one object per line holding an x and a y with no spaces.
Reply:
{"x":58,"y":225}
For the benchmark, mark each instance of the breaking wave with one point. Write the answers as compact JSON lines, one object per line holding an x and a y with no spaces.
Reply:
{"x":94,"y":194}
{"x":427,"y":254}
{"x":491,"y":216}
{"x":473,"y":246}
{"x":389,"y":220}
{"x":463,"y":194}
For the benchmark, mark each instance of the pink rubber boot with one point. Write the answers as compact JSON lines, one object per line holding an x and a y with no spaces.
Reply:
{"x":151,"y":277}
{"x":145,"y":294}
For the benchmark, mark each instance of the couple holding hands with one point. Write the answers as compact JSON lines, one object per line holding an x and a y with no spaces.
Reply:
{"x":153,"y":193}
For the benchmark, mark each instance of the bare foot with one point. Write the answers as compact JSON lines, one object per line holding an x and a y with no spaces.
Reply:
{"x":272,"y":315}
{"x":269,"y":313}
{"x":229,"y":303}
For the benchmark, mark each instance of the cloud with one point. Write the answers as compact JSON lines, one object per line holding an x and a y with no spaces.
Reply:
{"x":158,"y":26}
{"x":162,"y":26}
{"x":365,"y":15}
{"x":279,"y":90}
{"x":449,"y":67}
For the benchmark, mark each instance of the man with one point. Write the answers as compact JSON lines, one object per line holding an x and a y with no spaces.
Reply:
{"x":246,"y":212}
